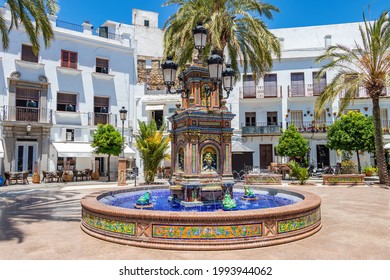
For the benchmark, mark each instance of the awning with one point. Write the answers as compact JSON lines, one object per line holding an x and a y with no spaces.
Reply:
{"x":74,"y":149}
{"x":238,"y":147}
{"x":154,"y":107}
{"x":387,"y":146}
{"x":1,"y":149}
{"x":128,"y":151}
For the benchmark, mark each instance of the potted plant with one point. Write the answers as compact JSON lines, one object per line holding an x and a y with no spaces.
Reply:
{"x":369,"y":170}
{"x":36,"y":179}
{"x":67,"y":176}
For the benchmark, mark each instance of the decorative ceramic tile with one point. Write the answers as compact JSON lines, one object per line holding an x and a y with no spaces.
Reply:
{"x":109,"y":225}
{"x":206,"y":232}
{"x":299,"y":223}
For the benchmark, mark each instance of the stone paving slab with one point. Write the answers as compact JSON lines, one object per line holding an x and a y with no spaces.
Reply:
{"x":45,"y":224}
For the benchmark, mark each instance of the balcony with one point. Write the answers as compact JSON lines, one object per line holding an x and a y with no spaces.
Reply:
{"x":260,"y":92}
{"x":311,"y":127}
{"x":308,"y":90}
{"x":103,"y":118}
{"x":362,"y":93}
{"x":27,"y":114}
{"x":261,"y":129}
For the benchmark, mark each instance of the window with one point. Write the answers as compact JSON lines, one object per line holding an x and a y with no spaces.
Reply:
{"x":102,"y":65}
{"x":270,"y":85}
{"x":146,"y":22}
{"x":250,"y":118}
{"x":27,"y":104}
{"x":322,"y":118}
{"x":148,"y":64}
{"x":297,"y":118}
{"x":318,"y":84}
{"x":68,"y":59}
{"x":297,"y":84}
{"x":28,"y":54}
{"x":249,"y":86}
{"x":101,"y":115}
{"x":103,"y":31}
{"x":66,"y":102}
{"x":66,"y":163}
{"x":70,"y":135}
{"x":272,"y":118}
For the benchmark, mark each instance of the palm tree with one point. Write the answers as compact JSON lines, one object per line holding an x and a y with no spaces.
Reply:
{"x":32,"y":14}
{"x":365,"y":66}
{"x":152,"y":146}
{"x":234,"y":27}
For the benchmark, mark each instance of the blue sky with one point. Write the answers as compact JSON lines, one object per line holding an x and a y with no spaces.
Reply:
{"x":294,"y":13}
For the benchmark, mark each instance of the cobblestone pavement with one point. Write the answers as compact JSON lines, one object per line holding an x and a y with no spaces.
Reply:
{"x":43,"y":222}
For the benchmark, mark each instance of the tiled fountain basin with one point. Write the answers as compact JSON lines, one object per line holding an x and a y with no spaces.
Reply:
{"x":221,"y":230}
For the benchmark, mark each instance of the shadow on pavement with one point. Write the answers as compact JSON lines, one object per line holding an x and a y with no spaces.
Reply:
{"x":17,"y":208}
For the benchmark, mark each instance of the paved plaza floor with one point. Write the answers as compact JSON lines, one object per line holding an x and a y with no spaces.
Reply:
{"x":44,"y":223}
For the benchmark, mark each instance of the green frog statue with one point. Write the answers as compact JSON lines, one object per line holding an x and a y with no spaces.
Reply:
{"x":144,"y":199}
{"x":229,"y":203}
{"x":248,"y":192}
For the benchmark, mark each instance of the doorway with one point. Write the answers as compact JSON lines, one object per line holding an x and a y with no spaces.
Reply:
{"x":322,"y":156}
{"x":266,"y":155}
{"x":158,"y":116}
{"x":25,"y":155}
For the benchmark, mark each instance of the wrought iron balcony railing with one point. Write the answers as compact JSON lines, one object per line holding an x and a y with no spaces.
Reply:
{"x":261,"y":128}
{"x":80,"y":28}
{"x":305,"y":90}
{"x":260,"y":92}
{"x":103,"y":118}
{"x":362,"y":93}
{"x":310,"y":127}
{"x":28,"y":114}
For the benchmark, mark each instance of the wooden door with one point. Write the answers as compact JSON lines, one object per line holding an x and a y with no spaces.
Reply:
{"x":266,"y":155}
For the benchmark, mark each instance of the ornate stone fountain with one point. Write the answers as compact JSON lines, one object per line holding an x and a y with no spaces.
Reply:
{"x":201,"y":142}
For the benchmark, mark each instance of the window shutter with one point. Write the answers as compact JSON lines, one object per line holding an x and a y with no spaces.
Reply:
{"x":78,"y":135}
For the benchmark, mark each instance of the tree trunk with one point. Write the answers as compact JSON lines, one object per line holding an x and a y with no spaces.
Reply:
{"x":108,"y":168}
{"x":379,"y":149}
{"x":358,"y":160}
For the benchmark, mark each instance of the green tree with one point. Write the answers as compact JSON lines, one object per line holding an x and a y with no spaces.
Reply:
{"x":33,"y":15}
{"x":352,"y":132}
{"x":292,"y":144}
{"x":366,"y":66}
{"x":108,"y":141}
{"x":234,"y":27}
{"x":152,"y":146}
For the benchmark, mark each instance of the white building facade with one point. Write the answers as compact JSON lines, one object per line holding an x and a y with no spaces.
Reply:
{"x":52,"y":103}
{"x":287,"y":95}
{"x":88,"y":74}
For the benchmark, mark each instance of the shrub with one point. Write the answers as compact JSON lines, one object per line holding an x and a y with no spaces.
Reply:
{"x":298,"y":172}
{"x":370,"y":170}
{"x":348,"y":167}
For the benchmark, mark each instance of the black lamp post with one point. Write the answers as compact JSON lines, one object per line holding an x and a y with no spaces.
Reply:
{"x":215,"y":67}
{"x":123,"y":116}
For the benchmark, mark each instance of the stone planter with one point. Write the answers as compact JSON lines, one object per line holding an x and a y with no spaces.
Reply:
{"x":263,"y":179}
{"x":343,"y":179}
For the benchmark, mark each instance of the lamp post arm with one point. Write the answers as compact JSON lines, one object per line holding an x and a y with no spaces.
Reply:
{"x":183,"y":92}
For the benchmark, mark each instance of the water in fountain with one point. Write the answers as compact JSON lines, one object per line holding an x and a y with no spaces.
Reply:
{"x":160,"y":197}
